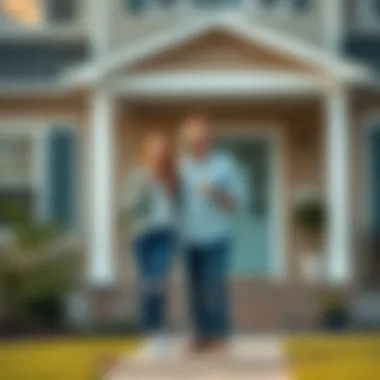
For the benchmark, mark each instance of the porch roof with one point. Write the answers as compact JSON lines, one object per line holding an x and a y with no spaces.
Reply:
{"x":236,"y":26}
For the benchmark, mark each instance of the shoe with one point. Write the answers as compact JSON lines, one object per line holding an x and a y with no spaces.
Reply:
{"x":197,"y":346}
{"x":217,"y":346}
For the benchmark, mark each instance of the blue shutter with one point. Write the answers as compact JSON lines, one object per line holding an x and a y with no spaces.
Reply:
{"x":61,"y":176}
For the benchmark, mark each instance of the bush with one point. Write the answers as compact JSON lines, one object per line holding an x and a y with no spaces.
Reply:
{"x":42,"y":264}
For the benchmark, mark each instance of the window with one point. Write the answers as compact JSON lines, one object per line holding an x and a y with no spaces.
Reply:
{"x":368,"y":14}
{"x":37,"y":12}
{"x":143,"y":6}
{"x":302,"y":5}
{"x":38,"y":171}
{"x":21,"y":12}
{"x":17,"y":184}
{"x":270,"y":3}
{"x":60,"y":11}
{"x":216,"y":3}
{"x":298,"y":5}
{"x":16,"y":154}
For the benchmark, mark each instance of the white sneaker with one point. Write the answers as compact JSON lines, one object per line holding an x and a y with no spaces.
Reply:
{"x":159,"y":346}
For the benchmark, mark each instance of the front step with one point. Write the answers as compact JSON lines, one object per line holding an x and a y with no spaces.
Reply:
{"x":247,"y":358}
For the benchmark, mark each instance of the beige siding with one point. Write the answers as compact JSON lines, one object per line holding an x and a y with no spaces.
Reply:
{"x":218,"y":50}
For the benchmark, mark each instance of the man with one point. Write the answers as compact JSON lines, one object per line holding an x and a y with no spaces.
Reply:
{"x":209,"y":198}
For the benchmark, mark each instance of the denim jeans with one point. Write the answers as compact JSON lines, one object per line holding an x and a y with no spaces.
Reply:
{"x":154,"y":253}
{"x":207,"y":275}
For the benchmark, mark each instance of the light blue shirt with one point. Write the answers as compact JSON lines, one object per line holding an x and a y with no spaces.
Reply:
{"x":203,"y":220}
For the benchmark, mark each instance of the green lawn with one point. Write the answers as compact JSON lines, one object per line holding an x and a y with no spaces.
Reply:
{"x":61,"y":359}
{"x":312,"y":358}
{"x":345,"y":357}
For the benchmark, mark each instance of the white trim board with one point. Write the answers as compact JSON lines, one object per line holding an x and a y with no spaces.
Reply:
{"x":246,"y":130}
{"x":232,"y":24}
{"x":217,"y":84}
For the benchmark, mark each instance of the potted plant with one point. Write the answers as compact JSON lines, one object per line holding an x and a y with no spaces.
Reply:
{"x":310,"y":218}
{"x":335,"y":313}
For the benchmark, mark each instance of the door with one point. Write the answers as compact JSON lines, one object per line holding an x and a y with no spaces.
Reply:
{"x":253,"y":242}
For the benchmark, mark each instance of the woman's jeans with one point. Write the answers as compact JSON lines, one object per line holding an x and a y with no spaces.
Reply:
{"x":154,"y":252}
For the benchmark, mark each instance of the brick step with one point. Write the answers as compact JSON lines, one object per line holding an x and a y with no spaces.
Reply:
{"x":255,"y":305}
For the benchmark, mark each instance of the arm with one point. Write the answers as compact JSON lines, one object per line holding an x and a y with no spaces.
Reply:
{"x":222,"y":197}
{"x":227,"y":193}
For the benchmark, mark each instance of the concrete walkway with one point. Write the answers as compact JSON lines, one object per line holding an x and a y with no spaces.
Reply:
{"x":249,"y":357}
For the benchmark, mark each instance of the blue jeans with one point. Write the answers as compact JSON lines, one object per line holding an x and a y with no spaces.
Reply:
{"x":154,"y":253}
{"x":207,"y":274}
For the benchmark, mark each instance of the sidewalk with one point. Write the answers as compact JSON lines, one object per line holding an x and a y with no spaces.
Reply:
{"x":249,"y":357}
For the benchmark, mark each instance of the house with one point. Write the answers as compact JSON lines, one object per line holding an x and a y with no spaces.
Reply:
{"x":291,"y":88}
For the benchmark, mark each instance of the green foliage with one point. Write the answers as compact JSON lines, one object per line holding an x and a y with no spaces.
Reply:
{"x":311,"y":215}
{"x":334,"y":300}
{"x":39,"y":263}
{"x":14,"y":211}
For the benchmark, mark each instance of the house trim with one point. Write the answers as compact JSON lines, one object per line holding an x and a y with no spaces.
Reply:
{"x":217,"y":84}
{"x":233,"y":24}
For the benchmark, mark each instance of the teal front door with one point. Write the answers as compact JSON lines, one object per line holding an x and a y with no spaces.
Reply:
{"x":253,"y":242}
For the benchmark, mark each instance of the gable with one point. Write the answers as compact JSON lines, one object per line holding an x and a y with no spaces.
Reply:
{"x":221,"y":50}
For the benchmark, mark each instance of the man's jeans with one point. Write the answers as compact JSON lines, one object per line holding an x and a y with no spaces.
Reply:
{"x":154,"y":253}
{"x":207,"y":274}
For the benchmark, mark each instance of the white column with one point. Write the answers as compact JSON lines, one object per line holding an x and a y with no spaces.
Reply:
{"x":101,"y":268}
{"x":338,"y":187}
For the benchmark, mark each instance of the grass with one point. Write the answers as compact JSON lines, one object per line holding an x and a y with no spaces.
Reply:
{"x":60,"y":359}
{"x":346,"y":357}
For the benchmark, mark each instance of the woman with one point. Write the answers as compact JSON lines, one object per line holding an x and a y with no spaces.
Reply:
{"x":151,"y":200}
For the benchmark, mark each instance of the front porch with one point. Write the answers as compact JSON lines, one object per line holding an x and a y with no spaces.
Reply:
{"x":300,"y":128}
{"x":287,"y":109}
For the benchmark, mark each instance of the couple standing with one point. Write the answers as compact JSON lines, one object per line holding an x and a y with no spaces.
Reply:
{"x":185,"y":205}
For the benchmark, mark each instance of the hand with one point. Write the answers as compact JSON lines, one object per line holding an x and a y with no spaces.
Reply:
{"x":217,"y":195}
{"x":206,"y":188}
